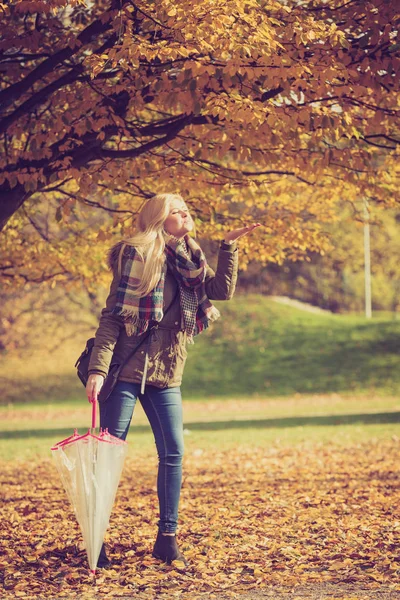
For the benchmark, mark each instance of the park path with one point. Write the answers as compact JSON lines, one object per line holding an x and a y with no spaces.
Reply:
{"x":301,"y":305}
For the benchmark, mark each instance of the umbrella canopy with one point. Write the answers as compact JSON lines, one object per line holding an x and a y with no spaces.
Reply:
{"x":90,"y":467}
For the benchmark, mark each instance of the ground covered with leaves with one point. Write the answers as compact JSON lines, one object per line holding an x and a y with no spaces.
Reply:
{"x":255,"y":522}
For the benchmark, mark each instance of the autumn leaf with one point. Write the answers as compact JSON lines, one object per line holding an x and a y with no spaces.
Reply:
{"x":266,"y":518}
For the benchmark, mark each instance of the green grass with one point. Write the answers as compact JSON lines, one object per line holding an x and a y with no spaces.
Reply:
{"x":27,"y":433}
{"x":262,"y":347}
{"x":258,"y":348}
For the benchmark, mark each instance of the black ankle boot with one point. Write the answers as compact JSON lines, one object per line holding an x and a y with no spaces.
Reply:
{"x":166,"y":549}
{"x":103,"y":561}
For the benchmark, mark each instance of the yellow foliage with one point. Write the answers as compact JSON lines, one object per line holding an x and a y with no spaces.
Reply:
{"x":285,"y":109}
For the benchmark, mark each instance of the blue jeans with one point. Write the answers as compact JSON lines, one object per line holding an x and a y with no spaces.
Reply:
{"x":163,"y":408}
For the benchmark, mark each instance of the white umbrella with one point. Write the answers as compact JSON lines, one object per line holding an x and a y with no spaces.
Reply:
{"x":90,"y":467}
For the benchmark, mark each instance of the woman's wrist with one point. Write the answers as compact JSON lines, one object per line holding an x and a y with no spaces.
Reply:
{"x":228,"y":245}
{"x":96,"y":373}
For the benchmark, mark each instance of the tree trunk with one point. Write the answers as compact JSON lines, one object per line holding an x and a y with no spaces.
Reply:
{"x":11,"y":201}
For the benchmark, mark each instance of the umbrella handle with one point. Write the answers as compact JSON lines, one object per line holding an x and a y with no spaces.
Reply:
{"x":94,"y":403}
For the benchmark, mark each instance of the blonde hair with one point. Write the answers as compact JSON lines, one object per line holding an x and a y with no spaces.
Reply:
{"x":149,"y":240}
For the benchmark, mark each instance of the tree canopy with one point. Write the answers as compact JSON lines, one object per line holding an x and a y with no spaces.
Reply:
{"x":252,"y":109}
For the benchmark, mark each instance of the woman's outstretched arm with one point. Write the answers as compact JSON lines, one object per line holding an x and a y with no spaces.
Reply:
{"x":221,"y":284}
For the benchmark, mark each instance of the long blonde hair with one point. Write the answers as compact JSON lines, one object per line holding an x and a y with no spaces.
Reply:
{"x":149,"y":240}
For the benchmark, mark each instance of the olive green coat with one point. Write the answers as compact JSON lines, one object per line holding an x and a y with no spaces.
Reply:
{"x":166,"y":345}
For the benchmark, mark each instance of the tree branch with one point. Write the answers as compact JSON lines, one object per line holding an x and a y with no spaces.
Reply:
{"x":36,"y":226}
{"x":97,"y":204}
{"x":367,"y":141}
{"x":44,"y":93}
{"x":247,"y":173}
{"x":134,"y":152}
{"x":101,"y":25}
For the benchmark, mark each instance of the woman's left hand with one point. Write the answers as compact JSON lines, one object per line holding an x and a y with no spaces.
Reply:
{"x":238,"y":233}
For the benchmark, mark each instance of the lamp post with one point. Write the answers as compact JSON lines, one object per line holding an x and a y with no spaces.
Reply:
{"x":367,"y":262}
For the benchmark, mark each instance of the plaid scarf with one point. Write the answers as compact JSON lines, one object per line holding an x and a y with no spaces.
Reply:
{"x":189,"y":269}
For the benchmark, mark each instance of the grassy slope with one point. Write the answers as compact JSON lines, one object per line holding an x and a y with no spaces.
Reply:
{"x":258,"y":347}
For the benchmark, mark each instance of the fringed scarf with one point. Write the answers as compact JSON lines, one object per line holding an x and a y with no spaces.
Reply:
{"x":189,"y":269}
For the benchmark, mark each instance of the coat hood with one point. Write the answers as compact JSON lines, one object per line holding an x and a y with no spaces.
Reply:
{"x":113,"y":254}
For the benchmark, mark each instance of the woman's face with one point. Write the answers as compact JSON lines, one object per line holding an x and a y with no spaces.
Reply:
{"x":179,"y":222}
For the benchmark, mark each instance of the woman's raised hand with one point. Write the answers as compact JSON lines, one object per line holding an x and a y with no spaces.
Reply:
{"x":93,"y":386}
{"x":235,"y":234}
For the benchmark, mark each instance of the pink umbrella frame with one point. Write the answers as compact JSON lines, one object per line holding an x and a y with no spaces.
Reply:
{"x":103,"y":435}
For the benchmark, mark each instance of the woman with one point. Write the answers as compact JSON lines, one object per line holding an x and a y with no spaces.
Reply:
{"x":161,"y":282}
